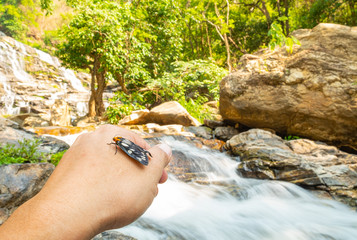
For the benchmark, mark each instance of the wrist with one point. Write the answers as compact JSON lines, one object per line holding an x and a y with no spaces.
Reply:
{"x":44,"y":218}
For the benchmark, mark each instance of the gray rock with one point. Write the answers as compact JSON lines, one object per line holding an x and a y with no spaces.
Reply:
{"x":225,"y":133}
{"x":11,"y":135}
{"x":312,"y":165}
{"x":19,"y":183}
{"x":213,"y":124}
{"x":112,"y":235}
{"x":200,"y":131}
{"x":310,"y":93}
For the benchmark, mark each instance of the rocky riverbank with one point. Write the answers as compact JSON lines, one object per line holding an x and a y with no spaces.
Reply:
{"x":310,"y":93}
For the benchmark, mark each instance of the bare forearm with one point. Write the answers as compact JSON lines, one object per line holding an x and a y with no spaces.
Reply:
{"x":40,"y":219}
{"x":91,"y":190}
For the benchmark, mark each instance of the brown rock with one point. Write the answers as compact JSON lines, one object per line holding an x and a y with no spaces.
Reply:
{"x":165,"y":114}
{"x":60,"y":114}
{"x":310,"y":93}
{"x":313,"y":165}
{"x":134,"y":118}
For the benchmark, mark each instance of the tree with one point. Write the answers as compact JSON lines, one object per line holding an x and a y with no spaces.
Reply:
{"x":101,"y":39}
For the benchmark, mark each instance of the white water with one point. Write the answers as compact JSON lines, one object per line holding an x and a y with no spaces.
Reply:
{"x":13,"y":72}
{"x":75,"y":82}
{"x":268,"y":210}
{"x":261,"y":210}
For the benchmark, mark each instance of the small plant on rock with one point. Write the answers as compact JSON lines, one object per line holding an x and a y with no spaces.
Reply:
{"x":27,"y":151}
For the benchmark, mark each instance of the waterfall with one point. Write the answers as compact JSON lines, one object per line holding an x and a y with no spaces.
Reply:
{"x":16,"y":59}
{"x":228,"y":207}
{"x":8,"y":98}
{"x":238,"y":208}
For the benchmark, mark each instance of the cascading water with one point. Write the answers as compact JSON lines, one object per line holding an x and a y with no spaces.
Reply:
{"x":230,"y":207}
{"x":17,"y":61}
{"x":225,"y":206}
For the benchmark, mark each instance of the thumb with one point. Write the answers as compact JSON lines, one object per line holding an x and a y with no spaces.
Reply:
{"x":161,"y":155}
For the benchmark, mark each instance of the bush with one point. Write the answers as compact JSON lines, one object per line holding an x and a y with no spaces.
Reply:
{"x":56,"y":157}
{"x":26,"y":152}
{"x":122,"y":105}
{"x":196,"y":109}
{"x":193,"y":79}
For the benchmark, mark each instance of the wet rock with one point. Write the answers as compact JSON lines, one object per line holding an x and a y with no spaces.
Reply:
{"x":312,"y":165}
{"x":19,"y":183}
{"x":32,"y":80}
{"x":60,"y":131}
{"x":213,"y":124}
{"x":112,"y":235}
{"x":309,"y":93}
{"x":201,"y":131}
{"x":225,"y":133}
{"x":166,"y":129}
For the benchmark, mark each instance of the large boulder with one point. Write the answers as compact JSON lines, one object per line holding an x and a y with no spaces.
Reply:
{"x":312,"y":165}
{"x":19,"y":183}
{"x":164,"y":114}
{"x":310,"y":93}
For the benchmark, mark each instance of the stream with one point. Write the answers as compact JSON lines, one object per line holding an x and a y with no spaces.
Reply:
{"x":226,"y":206}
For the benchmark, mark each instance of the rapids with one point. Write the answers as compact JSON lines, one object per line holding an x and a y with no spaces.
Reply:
{"x":237,"y":208}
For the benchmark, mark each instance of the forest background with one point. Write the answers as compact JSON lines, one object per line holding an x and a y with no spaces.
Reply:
{"x":162,"y":50}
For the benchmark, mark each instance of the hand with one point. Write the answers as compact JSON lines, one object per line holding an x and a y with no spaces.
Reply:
{"x":91,"y":190}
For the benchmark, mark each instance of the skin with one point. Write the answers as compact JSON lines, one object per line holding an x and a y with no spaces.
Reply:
{"x":91,"y":190}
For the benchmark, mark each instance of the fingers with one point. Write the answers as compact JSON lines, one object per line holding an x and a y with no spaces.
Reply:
{"x":164,"y":177}
{"x":161,"y":157}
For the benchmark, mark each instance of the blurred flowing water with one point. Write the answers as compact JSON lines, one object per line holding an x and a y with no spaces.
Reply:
{"x":228,"y":207}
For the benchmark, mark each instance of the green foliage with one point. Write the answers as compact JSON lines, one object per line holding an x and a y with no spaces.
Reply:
{"x":122,"y":105}
{"x":16,"y":16}
{"x":309,"y":14}
{"x":279,"y":39}
{"x":56,"y":157}
{"x":290,"y":137}
{"x":194,"y":79}
{"x":197,"y":109}
{"x":27,"y":151}
{"x":11,"y":20}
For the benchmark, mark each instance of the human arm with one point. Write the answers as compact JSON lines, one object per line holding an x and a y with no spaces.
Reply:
{"x":91,"y":190}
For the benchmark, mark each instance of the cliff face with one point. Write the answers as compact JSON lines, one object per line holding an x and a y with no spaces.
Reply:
{"x":31,"y":81}
{"x":310,"y":93}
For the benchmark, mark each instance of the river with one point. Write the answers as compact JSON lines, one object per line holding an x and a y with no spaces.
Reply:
{"x":228,"y":207}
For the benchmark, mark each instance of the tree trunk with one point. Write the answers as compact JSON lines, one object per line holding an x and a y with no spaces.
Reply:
{"x":266,"y":13}
{"x":99,"y":105}
{"x":91,"y":103}
{"x":208,"y":41}
{"x":353,"y":10}
{"x":287,"y":25}
{"x":95,"y":105}
{"x":121,"y":82}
